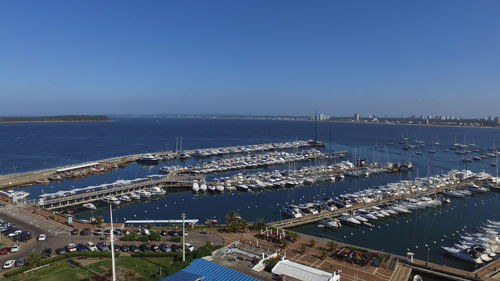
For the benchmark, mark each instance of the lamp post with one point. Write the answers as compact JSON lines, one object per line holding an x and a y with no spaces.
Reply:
{"x":428,"y":251}
{"x":112,"y":239}
{"x":183,"y":237}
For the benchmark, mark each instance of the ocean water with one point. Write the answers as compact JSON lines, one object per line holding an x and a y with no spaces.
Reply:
{"x":32,"y":146}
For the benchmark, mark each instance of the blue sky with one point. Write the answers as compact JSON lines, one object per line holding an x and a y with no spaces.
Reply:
{"x":250,"y":57}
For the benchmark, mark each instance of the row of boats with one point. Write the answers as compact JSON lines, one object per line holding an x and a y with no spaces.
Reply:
{"x":248,"y":162}
{"x":480,"y":247}
{"x":286,"y":178}
{"x":153,"y":159}
{"x":128,"y":197}
{"x":416,"y":196}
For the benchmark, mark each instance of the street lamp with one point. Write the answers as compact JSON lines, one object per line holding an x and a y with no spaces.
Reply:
{"x":112,"y":240}
{"x":183,"y":237}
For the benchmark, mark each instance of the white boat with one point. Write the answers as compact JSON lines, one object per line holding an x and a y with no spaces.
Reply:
{"x":349,"y":220}
{"x":89,"y":206}
{"x":203,"y":186}
{"x":465,"y":255}
{"x":124,"y":198}
{"x":135,"y":196}
{"x":196,"y":186}
{"x":156,"y":190}
{"x":111,"y":200}
{"x":144,"y":193}
{"x":329,"y":223}
{"x":219,"y":188}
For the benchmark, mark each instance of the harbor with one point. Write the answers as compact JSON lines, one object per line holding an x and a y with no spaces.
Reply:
{"x":313,"y":181}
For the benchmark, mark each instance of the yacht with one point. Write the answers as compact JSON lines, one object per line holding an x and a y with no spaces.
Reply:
{"x":135,"y":196}
{"x":203,"y":186}
{"x":156,"y":190}
{"x":330,"y":223}
{"x":466,"y":255}
{"x":124,"y":198}
{"x":144,"y":193}
{"x":196,"y":186}
{"x":291,"y":211}
{"x":111,"y":200}
{"x":149,"y":159}
{"x":89,"y":206}
{"x":349,"y":220}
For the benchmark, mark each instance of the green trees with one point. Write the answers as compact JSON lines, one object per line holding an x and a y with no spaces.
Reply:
{"x":34,"y":258}
{"x":312,"y":243}
{"x":235,"y":222}
{"x":259,"y":224}
{"x":331,"y":245}
{"x":99,"y":221}
{"x":303,"y":248}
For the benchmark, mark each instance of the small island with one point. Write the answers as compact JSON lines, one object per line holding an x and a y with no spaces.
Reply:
{"x":59,"y":118}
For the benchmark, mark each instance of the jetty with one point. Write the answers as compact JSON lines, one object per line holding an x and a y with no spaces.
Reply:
{"x":311,"y":218}
{"x":21,"y":179}
{"x":77,"y":197}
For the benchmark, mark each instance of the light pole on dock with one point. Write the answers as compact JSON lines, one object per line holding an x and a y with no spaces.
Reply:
{"x":112,"y":239}
{"x":183,"y":237}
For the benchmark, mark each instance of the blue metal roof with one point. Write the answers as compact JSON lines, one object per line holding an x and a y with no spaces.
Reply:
{"x":182,"y":276}
{"x":210,"y":271}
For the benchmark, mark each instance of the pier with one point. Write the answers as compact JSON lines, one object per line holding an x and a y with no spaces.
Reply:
{"x":293,"y":222}
{"x":72,"y":200}
{"x":83,"y":169}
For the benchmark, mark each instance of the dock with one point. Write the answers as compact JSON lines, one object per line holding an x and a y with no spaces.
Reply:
{"x":293,"y":222}
{"x":73,"y":200}
{"x":32,"y":177}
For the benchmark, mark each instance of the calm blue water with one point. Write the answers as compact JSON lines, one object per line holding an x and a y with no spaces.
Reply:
{"x":25,"y":147}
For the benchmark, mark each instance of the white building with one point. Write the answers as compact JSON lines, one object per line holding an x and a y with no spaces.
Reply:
{"x":290,"y":269}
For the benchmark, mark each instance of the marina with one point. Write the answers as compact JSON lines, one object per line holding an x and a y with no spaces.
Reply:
{"x":273,"y":184}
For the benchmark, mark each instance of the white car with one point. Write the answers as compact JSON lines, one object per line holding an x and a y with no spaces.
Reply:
{"x":42,"y":237}
{"x":189,"y":247}
{"x":15,"y":233}
{"x":9,"y":264}
{"x":71,"y":247}
{"x":91,"y":246}
{"x":15,"y":248}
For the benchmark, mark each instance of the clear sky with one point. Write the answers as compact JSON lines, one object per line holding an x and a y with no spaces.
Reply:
{"x":250,"y":57}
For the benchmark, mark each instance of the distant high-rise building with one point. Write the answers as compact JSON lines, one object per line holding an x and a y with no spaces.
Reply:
{"x":497,"y":120}
{"x":356,"y":116}
{"x":324,"y":117}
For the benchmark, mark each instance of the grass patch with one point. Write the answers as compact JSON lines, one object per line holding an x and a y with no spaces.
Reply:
{"x":60,"y":271}
{"x":148,"y":268}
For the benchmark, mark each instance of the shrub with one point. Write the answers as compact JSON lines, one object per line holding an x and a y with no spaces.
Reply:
{"x":175,"y":239}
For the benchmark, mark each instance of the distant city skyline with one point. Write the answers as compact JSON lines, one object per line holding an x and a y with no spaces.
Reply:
{"x":391,"y":58}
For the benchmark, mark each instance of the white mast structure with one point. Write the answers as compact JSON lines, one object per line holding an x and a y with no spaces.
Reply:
{"x":112,"y":240}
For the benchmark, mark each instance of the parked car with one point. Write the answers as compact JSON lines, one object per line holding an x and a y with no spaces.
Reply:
{"x":91,"y":246}
{"x":97,"y":232}
{"x":22,"y":237}
{"x":164,"y":247}
{"x":163,"y":233}
{"x":85,"y":232}
{"x":42,"y":237}
{"x":189,"y":247}
{"x":80,"y":247}
{"x":15,"y":248}
{"x":20,"y":262}
{"x":154,"y":248}
{"x":4,"y":251}
{"x":74,"y":231}
{"x":176,"y":248}
{"x":9,"y":264}
{"x":47,"y":252}
{"x":103,"y":247}
{"x":60,"y":251}
{"x":144,"y":248}
{"x":14,"y":233}
{"x":124,"y":248}
{"x":133,"y":248}
{"x":71,"y":247}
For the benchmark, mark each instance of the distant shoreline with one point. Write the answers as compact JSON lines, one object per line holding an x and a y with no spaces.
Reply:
{"x":60,"y":118}
{"x":58,"y":121}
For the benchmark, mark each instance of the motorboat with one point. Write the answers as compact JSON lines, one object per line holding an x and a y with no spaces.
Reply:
{"x":329,"y":223}
{"x":156,"y":190}
{"x":149,"y":159}
{"x":89,"y":206}
{"x":135,"y":196}
{"x":349,"y":220}
{"x":196,"y":186}
{"x":124,"y":198}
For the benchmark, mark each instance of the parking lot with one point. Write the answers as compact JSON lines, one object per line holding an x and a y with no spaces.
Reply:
{"x":61,"y":238}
